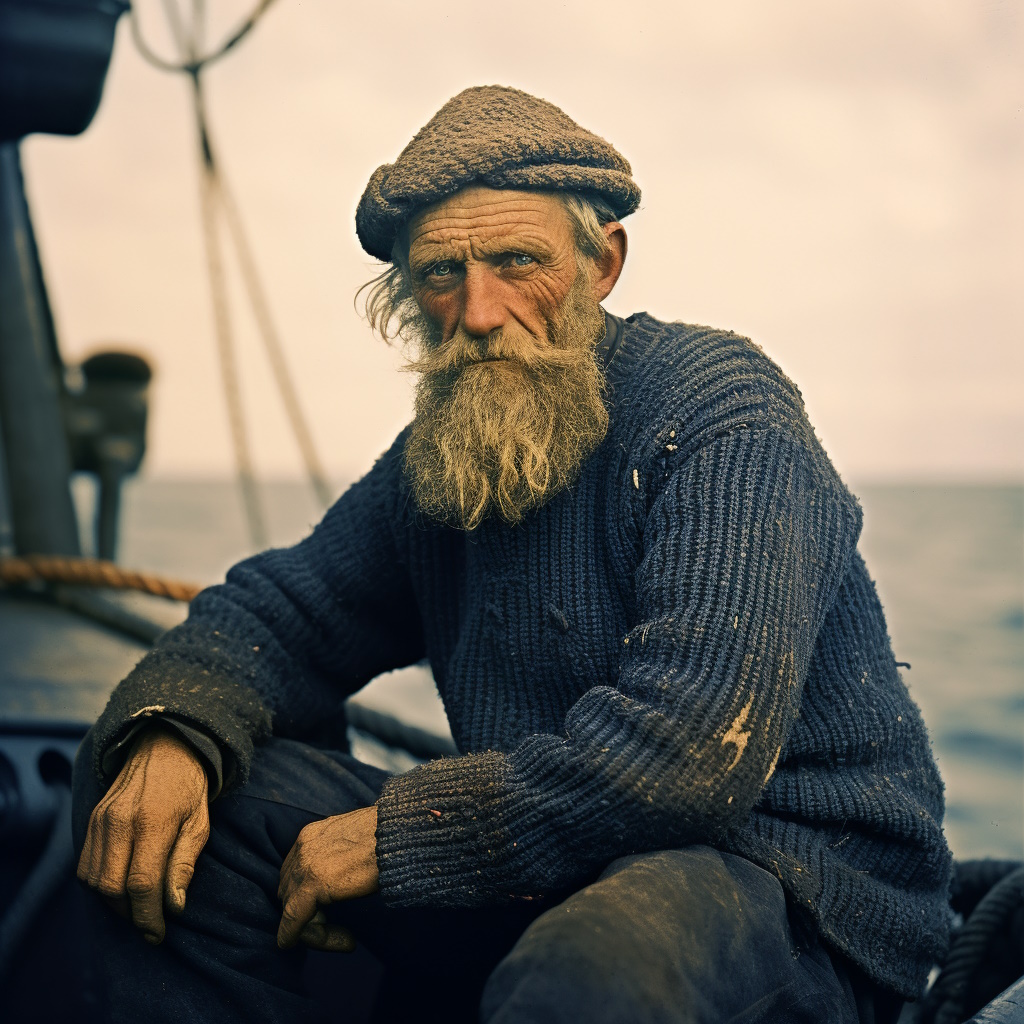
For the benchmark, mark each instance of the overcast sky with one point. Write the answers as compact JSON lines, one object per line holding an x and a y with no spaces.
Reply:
{"x":840,"y":182}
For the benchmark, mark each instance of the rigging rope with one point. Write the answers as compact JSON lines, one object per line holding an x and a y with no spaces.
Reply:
{"x":216,"y":198}
{"x":92,"y":572}
{"x":194,"y":63}
{"x":208,"y":189}
{"x":274,"y":349}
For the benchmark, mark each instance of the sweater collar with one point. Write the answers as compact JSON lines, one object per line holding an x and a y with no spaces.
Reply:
{"x":608,"y":345}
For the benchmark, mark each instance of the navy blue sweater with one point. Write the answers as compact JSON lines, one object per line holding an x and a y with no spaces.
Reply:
{"x":685,"y":646}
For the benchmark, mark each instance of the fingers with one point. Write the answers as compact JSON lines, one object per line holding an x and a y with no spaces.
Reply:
{"x":145,"y":883}
{"x":182,"y":862}
{"x":106,"y":856}
{"x":91,"y":859}
{"x":145,"y":835}
{"x":137,"y":863}
{"x":298,"y":912}
{"x":318,"y":934}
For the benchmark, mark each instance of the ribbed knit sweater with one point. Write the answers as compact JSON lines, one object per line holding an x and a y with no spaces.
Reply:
{"x":682,"y":647}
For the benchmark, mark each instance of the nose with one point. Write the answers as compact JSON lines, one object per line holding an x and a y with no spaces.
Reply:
{"x":483,"y":309}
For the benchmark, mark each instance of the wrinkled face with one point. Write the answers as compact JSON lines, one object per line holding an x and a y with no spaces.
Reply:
{"x":509,"y":401}
{"x":487,"y":258}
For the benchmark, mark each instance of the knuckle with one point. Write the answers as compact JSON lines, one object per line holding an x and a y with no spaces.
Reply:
{"x":182,"y":873}
{"x":293,"y":912}
{"x":115,"y":818}
{"x":106,"y":887}
{"x":141,"y":885}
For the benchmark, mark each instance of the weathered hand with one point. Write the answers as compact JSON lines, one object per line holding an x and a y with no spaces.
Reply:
{"x":145,"y":835}
{"x":333,"y":859}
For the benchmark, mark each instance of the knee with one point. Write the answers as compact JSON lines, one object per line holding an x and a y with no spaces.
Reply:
{"x":697,"y":898}
{"x":562,"y":973}
{"x":605,"y":954}
{"x":656,"y":932}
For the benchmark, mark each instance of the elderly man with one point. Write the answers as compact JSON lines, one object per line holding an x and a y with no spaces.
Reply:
{"x":692,"y":785}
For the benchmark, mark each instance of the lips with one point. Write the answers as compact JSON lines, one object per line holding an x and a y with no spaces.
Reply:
{"x":481,"y":362}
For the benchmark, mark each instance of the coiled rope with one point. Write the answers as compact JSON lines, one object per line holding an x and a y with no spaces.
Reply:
{"x":1000,"y":886}
{"x":92,"y":572}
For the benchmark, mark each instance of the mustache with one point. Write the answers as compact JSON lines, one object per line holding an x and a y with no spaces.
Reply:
{"x":510,"y":344}
{"x":504,"y":439}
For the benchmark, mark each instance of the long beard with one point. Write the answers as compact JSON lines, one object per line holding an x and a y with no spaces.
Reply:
{"x":504,"y":423}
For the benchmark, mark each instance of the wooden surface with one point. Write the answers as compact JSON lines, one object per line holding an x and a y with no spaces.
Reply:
{"x":57,"y":666}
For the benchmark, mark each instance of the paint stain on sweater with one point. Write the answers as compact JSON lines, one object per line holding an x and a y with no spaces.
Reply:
{"x":737,"y":735}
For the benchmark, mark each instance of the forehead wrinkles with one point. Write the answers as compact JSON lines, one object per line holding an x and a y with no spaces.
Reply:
{"x":477,"y":220}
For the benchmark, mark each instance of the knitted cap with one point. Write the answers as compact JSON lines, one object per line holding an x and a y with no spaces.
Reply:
{"x":495,"y":136}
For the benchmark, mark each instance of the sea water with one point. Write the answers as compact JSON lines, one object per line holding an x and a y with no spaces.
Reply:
{"x":948,"y":561}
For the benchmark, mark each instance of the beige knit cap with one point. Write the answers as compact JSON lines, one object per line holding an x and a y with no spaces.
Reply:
{"x":499,"y":137}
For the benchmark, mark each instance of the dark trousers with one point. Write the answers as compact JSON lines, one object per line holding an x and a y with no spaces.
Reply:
{"x":689,"y":935}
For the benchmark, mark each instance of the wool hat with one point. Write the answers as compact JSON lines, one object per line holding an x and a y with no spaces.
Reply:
{"x":497,"y":136}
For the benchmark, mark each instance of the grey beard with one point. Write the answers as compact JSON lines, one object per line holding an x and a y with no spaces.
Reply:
{"x":505,"y":436}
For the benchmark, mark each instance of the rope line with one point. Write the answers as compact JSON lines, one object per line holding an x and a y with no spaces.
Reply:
{"x":216,"y":200}
{"x":209,"y":185}
{"x":273,"y":347}
{"x":194,"y":63}
{"x":91,"y":572}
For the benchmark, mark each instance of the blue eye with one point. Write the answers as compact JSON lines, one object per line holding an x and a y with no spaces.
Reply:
{"x":520,"y":259}
{"x":441,"y":269}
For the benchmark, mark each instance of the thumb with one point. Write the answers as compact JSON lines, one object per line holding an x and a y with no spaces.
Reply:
{"x":181,"y":864}
{"x":330,"y":938}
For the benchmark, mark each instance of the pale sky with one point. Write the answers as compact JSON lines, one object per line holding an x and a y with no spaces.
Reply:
{"x":840,"y":182}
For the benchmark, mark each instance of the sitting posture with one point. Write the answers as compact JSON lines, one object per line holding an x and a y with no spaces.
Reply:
{"x":691,"y":783}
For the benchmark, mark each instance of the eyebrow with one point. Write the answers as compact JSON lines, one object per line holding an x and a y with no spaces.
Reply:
{"x":531,"y":245}
{"x":426,"y":254}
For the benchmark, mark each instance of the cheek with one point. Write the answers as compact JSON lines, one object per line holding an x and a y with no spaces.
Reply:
{"x":546,"y":292}
{"x":441,"y":307}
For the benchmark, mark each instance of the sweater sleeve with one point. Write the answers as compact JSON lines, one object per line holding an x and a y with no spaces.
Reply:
{"x":287,"y":636}
{"x":744,"y":549}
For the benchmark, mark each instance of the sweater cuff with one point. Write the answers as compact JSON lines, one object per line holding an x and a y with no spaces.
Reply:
{"x":206,"y":699}
{"x":443,"y":837}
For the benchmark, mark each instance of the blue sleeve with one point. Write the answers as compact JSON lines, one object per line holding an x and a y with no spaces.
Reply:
{"x":289,"y":634}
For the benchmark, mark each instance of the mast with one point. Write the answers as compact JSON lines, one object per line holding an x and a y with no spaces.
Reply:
{"x":53,"y":62}
{"x":42,"y":517}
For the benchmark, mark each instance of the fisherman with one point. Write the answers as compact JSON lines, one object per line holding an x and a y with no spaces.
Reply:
{"x":692,"y":785}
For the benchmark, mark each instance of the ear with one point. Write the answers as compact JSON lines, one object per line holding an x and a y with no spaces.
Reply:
{"x":609,"y":266}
